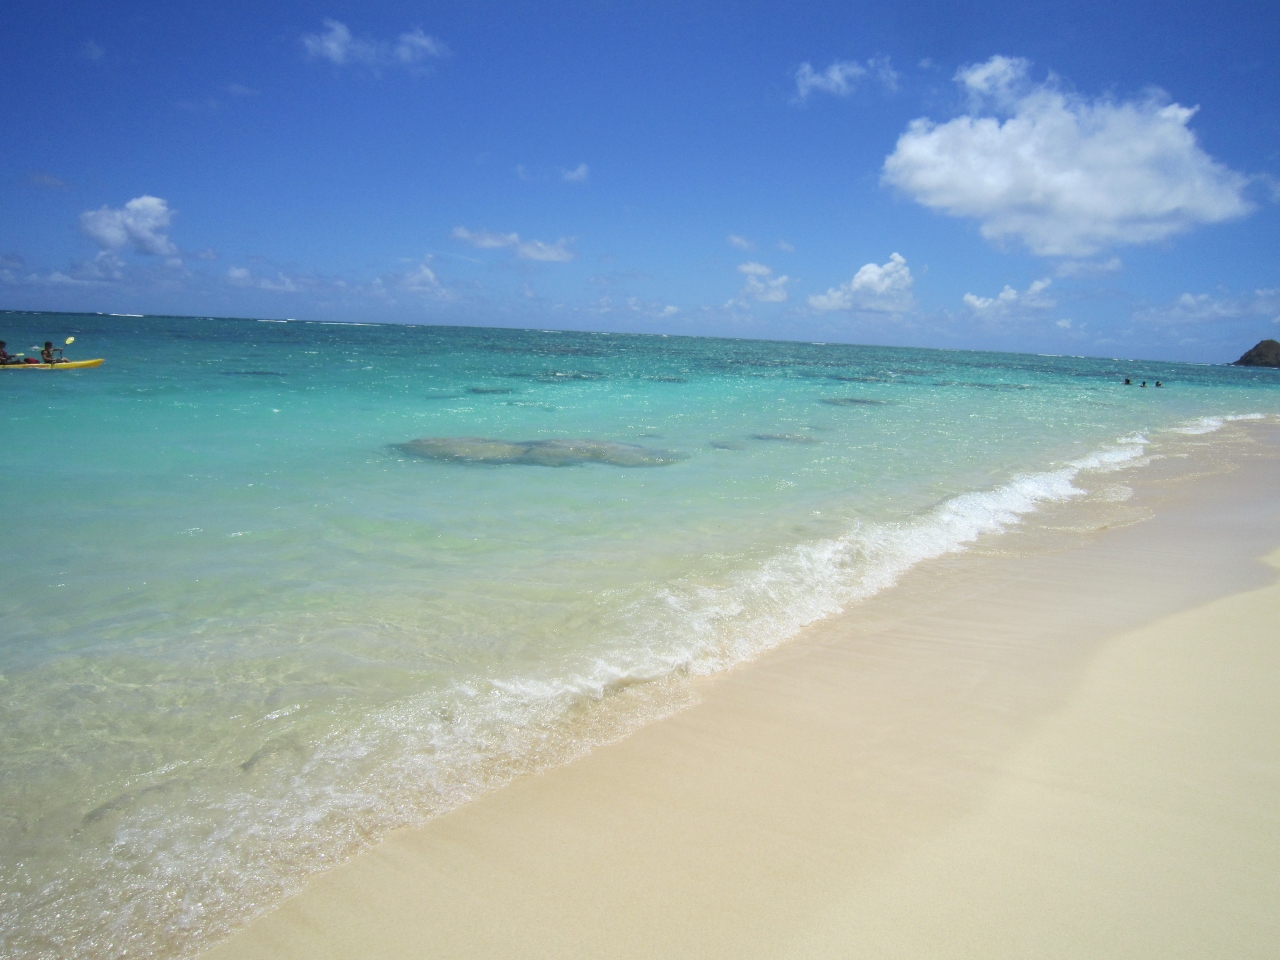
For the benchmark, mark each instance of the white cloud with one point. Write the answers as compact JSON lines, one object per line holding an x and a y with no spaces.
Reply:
{"x":244,"y":277}
{"x":761,"y":285}
{"x":742,"y":243}
{"x":337,"y":45}
{"x":1204,"y":308}
{"x":1066,"y":175}
{"x":879,"y":288}
{"x":1088,"y":268}
{"x":998,"y":79}
{"x":785,"y":247}
{"x":1009,"y":300}
{"x":557,"y":252}
{"x":652,"y":309}
{"x":484,"y":239}
{"x":422,"y":279}
{"x":577,"y":175}
{"x":140,"y":224}
{"x":842,"y":76}
{"x":106,"y":267}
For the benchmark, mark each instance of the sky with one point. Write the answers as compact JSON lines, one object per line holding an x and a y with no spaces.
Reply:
{"x":1069,"y":178}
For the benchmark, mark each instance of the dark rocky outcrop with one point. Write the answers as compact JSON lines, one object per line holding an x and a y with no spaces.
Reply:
{"x":538,"y":453}
{"x":1265,"y":354}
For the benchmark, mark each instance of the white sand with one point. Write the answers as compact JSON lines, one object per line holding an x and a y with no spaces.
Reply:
{"x":1065,"y":746}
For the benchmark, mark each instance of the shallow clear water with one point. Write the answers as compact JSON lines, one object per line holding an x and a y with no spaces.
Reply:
{"x":249,"y":626}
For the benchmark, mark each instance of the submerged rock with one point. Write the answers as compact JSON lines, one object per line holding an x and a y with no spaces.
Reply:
{"x":853,"y":402}
{"x":1265,"y":354}
{"x":539,"y":453}
{"x":786,"y":437}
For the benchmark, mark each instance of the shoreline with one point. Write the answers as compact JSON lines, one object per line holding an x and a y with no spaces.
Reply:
{"x":842,"y":794}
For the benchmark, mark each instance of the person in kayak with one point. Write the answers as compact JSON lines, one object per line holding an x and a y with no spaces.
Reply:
{"x":46,"y":355}
{"x":6,"y":356}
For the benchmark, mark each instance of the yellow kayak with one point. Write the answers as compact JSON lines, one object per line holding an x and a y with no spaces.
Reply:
{"x":69,"y":365}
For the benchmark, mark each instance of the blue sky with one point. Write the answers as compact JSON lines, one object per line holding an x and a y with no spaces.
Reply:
{"x":1082,"y":178}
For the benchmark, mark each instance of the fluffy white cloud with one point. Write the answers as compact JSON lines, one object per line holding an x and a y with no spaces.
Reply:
{"x":1009,"y":299}
{"x":557,"y":252}
{"x":578,"y":174}
{"x":1204,"y":308}
{"x":140,"y":225}
{"x":761,"y":285}
{"x":881,"y":288}
{"x":742,"y":243}
{"x":1066,"y":175}
{"x":337,"y":45}
{"x":842,"y":76}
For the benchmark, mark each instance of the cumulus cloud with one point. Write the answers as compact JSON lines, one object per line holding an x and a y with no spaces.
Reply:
{"x":842,"y":76}
{"x":742,"y":243}
{"x":1204,"y":308}
{"x":761,"y":285}
{"x":578,"y":174}
{"x":557,"y":252}
{"x":1009,"y":300}
{"x":139,"y":225}
{"x":338,"y":45}
{"x":880,"y":288}
{"x":1064,"y":174}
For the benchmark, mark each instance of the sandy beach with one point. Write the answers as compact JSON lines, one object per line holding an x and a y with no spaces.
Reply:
{"x":1062,"y":743}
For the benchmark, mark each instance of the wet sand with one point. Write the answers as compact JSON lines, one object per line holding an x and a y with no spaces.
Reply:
{"x":1065,"y":743}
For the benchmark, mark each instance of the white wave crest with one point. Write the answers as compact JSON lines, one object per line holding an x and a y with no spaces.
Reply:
{"x":1212,"y":424}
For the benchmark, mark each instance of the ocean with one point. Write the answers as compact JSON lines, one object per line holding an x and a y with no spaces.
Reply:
{"x":269,"y":590}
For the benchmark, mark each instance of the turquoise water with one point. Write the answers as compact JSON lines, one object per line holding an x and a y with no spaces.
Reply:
{"x":249,"y":625}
